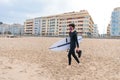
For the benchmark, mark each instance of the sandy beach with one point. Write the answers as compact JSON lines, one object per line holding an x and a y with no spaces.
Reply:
{"x":30,"y":59}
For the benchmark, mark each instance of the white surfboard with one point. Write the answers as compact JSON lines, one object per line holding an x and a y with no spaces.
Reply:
{"x":63,"y":44}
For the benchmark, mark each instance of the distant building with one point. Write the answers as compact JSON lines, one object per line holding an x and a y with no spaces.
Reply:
{"x":57,"y":25}
{"x":37,"y":26}
{"x":1,"y":23}
{"x":4,"y":28}
{"x":108,"y":30}
{"x":82,"y":20}
{"x":32,"y":26}
{"x":50,"y":26}
{"x":103,"y":35}
{"x":95,"y":31}
{"x":29,"y":27}
{"x":14,"y":29}
{"x":115,"y":22}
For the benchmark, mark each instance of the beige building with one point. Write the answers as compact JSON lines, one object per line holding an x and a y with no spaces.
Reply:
{"x":82,"y":20}
{"x":28,"y":26}
{"x":108,"y":30}
{"x":57,"y":25}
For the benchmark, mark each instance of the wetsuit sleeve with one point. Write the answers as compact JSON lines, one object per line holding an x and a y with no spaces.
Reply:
{"x":76,"y":40}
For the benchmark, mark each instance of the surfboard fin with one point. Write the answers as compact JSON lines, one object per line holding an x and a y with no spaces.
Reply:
{"x":66,"y":40}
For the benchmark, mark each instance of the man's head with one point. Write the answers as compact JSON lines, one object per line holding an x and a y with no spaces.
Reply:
{"x":72,"y":26}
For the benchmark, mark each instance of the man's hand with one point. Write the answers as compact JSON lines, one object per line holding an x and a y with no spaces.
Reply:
{"x":67,"y":50}
{"x":77,"y":49}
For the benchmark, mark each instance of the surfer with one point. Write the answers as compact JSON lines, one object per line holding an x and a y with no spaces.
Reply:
{"x":73,"y":44}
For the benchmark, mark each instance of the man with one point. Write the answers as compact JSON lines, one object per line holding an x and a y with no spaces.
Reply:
{"x":73,"y":44}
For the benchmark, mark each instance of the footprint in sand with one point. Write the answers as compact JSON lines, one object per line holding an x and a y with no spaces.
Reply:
{"x":7,"y":67}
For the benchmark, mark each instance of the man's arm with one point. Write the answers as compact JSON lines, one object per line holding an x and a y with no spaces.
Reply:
{"x":76,"y":40}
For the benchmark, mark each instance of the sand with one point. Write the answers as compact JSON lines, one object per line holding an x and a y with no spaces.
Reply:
{"x":30,"y":59}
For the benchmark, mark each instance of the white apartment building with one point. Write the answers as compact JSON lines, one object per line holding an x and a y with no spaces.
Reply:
{"x":14,"y":29}
{"x":95,"y":31}
{"x":115,"y":23}
{"x":37,"y":26}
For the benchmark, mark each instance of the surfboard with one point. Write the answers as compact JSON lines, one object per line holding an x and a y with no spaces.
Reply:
{"x":63,"y":44}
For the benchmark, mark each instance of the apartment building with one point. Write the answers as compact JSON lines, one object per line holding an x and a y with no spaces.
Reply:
{"x":4,"y":28}
{"x":47,"y":26}
{"x":108,"y":30}
{"x":95,"y":31}
{"x":82,"y":20}
{"x":29,"y":27}
{"x":115,"y":22}
{"x":57,"y":25}
{"x":37,"y":26}
{"x":14,"y":29}
{"x":43,"y":26}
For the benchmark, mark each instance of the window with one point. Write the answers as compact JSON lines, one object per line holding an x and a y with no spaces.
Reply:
{"x":112,"y":32}
{"x":80,"y":25}
{"x":80,"y":21}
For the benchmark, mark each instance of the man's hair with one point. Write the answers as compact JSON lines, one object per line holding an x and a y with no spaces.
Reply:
{"x":72,"y":24}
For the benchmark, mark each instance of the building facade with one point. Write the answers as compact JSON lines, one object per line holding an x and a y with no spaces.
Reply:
{"x":95,"y":31}
{"x":14,"y":29}
{"x":82,"y":20}
{"x":4,"y":28}
{"x":57,"y":25}
{"x":37,"y":26}
{"x":29,"y":27}
{"x":108,"y":30}
{"x":49,"y":26}
{"x":115,"y":22}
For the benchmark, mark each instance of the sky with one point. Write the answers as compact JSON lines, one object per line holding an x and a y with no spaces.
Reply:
{"x":17,"y":11}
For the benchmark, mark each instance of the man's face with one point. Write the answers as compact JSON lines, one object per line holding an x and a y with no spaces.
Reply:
{"x":71,"y":28}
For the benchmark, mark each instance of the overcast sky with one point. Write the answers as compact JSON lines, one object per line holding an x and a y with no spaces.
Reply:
{"x":17,"y":11}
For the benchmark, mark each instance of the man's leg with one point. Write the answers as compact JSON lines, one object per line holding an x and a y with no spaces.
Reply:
{"x":75,"y":57}
{"x":69,"y":58}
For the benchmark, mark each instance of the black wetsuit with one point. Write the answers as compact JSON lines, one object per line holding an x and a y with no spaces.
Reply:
{"x":73,"y":44}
